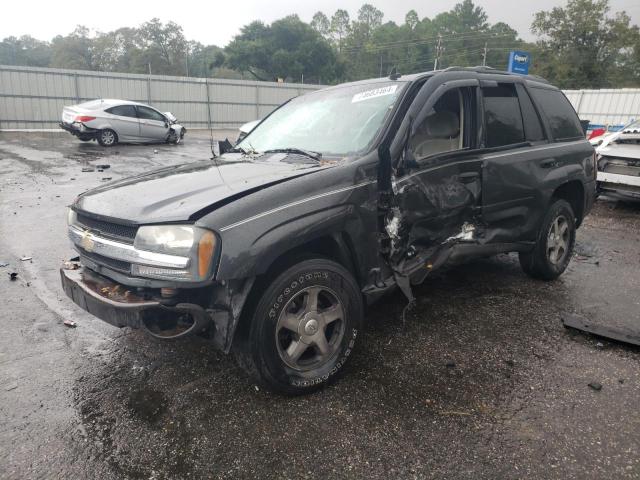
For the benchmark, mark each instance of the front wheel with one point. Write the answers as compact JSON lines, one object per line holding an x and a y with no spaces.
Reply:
{"x":554,"y":245}
{"x":107,"y":138}
{"x":304,"y":326}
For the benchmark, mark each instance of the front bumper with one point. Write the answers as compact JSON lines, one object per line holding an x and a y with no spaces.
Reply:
{"x":624,"y":185}
{"x":120,"y":307}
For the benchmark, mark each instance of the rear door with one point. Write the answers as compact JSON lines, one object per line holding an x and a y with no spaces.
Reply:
{"x":515,"y":146}
{"x":124,"y":120}
{"x":153,"y":125}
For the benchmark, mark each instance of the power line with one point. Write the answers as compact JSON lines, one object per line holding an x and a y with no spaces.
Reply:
{"x":425,"y":40}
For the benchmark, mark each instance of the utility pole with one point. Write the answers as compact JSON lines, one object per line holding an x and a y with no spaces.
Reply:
{"x":380,"y":65}
{"x":439,"y":50}
{"x":186,"y":59}
{"x":484,"y":55}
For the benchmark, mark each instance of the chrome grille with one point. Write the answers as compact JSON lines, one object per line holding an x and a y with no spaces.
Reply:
{"x":125,"y":233}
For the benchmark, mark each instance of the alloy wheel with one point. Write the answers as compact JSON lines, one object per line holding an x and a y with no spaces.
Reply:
{"x":558,"y":240}
{"x":310,"y":328}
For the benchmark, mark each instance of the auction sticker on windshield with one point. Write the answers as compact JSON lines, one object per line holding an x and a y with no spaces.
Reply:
{"x":376,"y":92}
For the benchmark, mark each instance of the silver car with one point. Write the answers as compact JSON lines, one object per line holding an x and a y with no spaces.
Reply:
{"x":113,"y":121}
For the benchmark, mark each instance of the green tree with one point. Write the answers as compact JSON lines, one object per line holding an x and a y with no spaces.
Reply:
{"x":74,"y":51}
{"x":288,"y":49}
{"x":340,"y":22}
{"x":321,"y":24}
{"x":411,"y":19}
{"x":583,"y":46}
{"x":25,"y":50}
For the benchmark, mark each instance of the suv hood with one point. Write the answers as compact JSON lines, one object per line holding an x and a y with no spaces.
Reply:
{"x":179,"y":193}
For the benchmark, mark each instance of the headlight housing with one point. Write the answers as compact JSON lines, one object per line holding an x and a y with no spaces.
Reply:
{"x":195,"y":243}
{"x":72,"y":217}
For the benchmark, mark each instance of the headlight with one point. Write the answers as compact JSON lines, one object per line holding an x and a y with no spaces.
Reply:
{"x":72,"y":217}
{"x":195,"y":243}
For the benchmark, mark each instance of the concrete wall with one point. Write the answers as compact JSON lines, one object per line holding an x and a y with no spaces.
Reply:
{"x":33,"y":97}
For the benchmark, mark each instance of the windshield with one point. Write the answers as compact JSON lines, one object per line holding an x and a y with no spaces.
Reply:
{"x":335,"y":122}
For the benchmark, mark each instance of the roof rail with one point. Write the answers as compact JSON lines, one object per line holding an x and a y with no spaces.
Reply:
{"x":486,"y":69}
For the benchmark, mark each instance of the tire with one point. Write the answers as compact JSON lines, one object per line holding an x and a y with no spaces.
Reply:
{"x":554,"y":245}
{"x":303,"y":327}
{"x":107,"y":138}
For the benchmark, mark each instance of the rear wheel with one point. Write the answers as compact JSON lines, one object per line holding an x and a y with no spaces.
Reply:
{"x":107,"y":138}
{"x":554,"y":245}
{"x":303,"y":328}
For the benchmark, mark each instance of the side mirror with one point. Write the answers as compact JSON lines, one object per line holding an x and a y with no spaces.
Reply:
{"x":220,"y":147}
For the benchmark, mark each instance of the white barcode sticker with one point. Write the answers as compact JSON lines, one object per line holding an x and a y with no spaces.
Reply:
{"x":376,"y":92}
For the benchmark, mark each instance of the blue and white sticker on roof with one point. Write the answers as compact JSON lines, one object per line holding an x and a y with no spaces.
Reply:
{"x":376,"y":92}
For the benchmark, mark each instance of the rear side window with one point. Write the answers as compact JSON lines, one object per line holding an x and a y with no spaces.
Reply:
{"x":123,"y":111}
{"x":532,"y":126}
{"x":502,"y":116}
{"x":562,"y":118}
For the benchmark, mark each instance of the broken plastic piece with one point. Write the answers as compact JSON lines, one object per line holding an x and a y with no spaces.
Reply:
{"x":13,"y":276}
{"x":26,"y":259}
{"x":70,"y":323}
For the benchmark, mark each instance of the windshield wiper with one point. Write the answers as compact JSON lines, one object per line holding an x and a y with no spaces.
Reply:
{"x":299,"y":151}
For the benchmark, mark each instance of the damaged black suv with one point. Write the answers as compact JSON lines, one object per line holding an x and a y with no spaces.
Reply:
{"x":274,"y":248}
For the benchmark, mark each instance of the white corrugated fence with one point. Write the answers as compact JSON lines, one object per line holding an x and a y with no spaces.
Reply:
{"x":32,"y":98}
{"x":606,"y":107}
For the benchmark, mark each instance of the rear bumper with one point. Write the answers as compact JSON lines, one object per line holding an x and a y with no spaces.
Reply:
{"x":78,"y":129}
{"x":120,"y":307}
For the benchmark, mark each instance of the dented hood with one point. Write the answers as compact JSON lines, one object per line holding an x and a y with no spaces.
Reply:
{"x":178,"y":193}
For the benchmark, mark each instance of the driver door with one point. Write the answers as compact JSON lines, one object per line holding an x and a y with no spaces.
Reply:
{"x":153,"y":125}
{"x":438,"y":186}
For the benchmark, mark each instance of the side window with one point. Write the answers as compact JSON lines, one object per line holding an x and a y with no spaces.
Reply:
{"x":442,"y":130}
{"x":502,"y":116}
{"x":149,"y":114}
{"x":123,"y":111}
{"x":562,"y":118}
{"x":532,"y":126}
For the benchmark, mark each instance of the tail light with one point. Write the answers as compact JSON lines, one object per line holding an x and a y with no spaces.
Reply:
{"x":84,"y":118}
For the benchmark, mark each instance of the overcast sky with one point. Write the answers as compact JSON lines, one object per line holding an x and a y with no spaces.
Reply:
{"x":216,"y":22}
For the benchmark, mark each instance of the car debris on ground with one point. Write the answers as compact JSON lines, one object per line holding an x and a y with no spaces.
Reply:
{"x":70,"y":323}
{"x":577,"y":322}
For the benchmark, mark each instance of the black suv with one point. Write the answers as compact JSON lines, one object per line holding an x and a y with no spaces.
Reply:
{"x":274,"y":248}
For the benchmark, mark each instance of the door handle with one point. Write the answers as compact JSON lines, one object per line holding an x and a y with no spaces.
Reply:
{"x":468,"y":177}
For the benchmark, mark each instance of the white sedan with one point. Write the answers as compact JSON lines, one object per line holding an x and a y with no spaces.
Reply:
{"x":113,"y":121}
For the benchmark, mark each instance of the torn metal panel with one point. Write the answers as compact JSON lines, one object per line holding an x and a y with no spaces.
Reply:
{"x":577,"y":322}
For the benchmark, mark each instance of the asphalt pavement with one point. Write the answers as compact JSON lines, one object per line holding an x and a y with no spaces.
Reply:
{"x":481,"y":380}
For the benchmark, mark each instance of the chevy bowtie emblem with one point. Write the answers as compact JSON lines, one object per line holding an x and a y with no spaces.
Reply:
{"x":87,"y":242}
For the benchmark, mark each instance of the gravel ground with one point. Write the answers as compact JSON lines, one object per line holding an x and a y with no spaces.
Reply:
{"x":481,"y":381}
